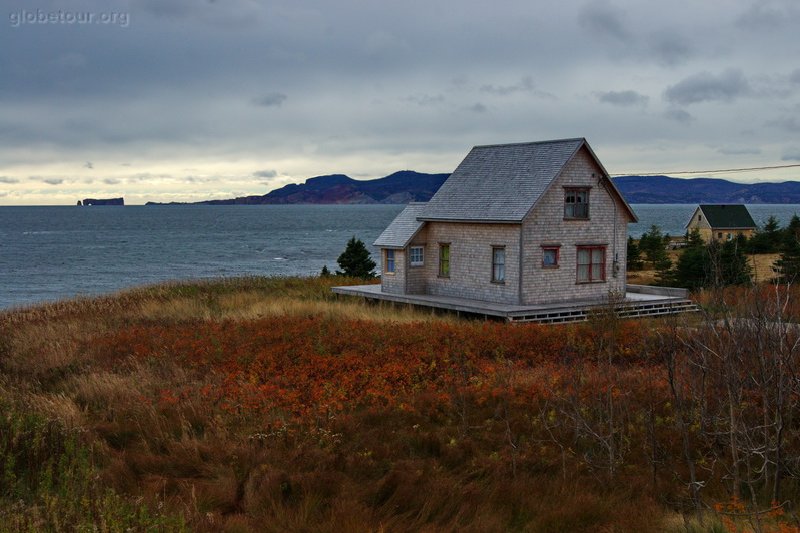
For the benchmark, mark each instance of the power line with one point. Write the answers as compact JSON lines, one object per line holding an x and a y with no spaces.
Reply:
{"x":707,"y":171}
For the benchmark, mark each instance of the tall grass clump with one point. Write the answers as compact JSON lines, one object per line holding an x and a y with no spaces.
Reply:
{"x":48,"y":482}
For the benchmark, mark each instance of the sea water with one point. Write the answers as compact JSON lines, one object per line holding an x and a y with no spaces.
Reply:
{"x":50,"y":253}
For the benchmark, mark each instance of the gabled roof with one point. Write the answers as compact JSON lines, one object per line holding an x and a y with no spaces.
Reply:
{"x":502,"y":182}
{"x":403,"y":227}
{"x":727,"y":216}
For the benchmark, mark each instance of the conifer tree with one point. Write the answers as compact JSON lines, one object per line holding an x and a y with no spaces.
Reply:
{"x":767,"y":239}
{"x":355,"y":261}
{"x":736,"y":267}
{"x":653,"y":244}
{"x":788,"y":265}
{"x":634,"y":258}
{"x":691,"y":270}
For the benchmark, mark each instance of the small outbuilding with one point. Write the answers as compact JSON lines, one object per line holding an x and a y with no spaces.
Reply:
{"x":722,"y":221}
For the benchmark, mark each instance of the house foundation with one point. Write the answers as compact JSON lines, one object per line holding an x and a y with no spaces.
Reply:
{"x":640,"y":301}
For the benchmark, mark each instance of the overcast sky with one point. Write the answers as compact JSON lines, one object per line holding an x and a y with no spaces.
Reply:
{"x":197,"y":99}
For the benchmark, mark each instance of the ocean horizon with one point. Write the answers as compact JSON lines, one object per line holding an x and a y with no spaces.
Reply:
{"x":50,"y":253}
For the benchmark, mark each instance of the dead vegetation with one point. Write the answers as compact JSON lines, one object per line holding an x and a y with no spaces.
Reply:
{"x":272,"y":405}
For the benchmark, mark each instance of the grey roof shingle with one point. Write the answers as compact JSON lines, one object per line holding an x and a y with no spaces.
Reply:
{"x":500,"y":182}
{"x":403,"y":227}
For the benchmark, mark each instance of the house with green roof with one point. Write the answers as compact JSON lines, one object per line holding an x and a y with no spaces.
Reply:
{"x":722,"y":221}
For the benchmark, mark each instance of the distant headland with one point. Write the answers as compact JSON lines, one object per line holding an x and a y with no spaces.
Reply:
{"x":398,"y":188}
{"x":409,"y":186}
{"x":102,"y":201}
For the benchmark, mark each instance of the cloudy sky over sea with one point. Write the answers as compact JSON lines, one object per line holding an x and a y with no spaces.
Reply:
{"x":196,"y":99}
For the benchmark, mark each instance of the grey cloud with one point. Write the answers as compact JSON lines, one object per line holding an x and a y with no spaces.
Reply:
{"x":231,"y":13}
{"x":147,"y":176}
{"x":265,"y":173}
{"x":477,"y":108}
{"x":88,"y":164}
{"x":4,"y":179}
{"x":382,"y":44}
{"x":51,"y":181}
{"x":670,"y":49}
{"x":739,"y":151}
{"x":425,"y":99}
{"x":705,"y":87}
{"x":604,"y":19}
{"x":786,"y":123}
{"x":622,"y":98}
{"x":111,"y":181}
{"x":525,"y":84}
{"x":678,"y":115}
{"x":71,"y":60}
{"x":768,"y":15}
{"x":270,"y":100}
{"x":791,"y":154}
{"x":794,"y":77}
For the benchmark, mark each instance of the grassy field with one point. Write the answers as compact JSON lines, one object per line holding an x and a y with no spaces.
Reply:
{"x":270,"y":405}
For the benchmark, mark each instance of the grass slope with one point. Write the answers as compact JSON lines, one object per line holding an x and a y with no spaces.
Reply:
{"x":270,"y":405}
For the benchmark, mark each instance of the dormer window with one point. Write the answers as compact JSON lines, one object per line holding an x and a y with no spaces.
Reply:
{"x":576,"y":203}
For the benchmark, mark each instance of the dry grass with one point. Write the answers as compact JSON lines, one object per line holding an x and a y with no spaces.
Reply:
{"x":255,"y":305}
{"x":762,"y":266}
{"x":234,"y":299}
{"x":437,"y":459}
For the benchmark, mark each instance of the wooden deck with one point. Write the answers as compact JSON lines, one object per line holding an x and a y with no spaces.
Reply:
{"x":639,"y":301}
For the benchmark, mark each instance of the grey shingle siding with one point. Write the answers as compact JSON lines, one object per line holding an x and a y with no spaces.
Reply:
{"x":402,"y":229}
{"x":513,"y":196}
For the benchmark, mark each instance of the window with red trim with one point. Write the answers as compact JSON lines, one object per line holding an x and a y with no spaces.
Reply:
{"x":591,"y":264}
{"x":550,"y":256}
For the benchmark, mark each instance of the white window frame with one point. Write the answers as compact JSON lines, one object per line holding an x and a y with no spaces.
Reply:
{"x":498,"y":264}
{"x":416,"y":261}
{"x":389,"y":266}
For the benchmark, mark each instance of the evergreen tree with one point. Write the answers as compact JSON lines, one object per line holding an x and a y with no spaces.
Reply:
{"x":772,"y":231}
{"x":727,"y":263}
{"x":664,"y":273}
{"x":788,"y":265}
{"x":736,"y":267}
{"x":691,"y":270}
{"x":325,"y":272}
{"x":653,"y":244}
{"x":766,"y":240}
{"x":634,"y":259}
{"x":355,"y":260}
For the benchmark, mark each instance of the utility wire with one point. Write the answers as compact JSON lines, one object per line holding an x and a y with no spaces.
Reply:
{"x":706,"y":171}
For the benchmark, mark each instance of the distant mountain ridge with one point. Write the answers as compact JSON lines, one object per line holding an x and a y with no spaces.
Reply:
{"x":397,"y":188}
{"x":668,"y":190}
{"x":409,"y":186}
